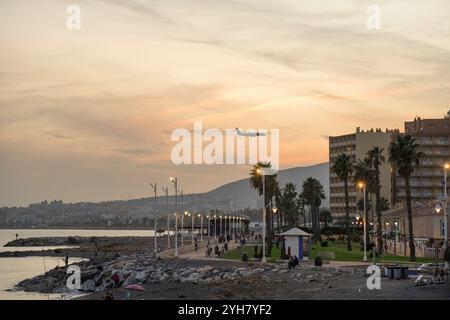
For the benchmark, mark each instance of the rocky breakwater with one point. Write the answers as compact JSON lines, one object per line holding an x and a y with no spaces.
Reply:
{"x":46,"y":241}
{"x":142,"y":268}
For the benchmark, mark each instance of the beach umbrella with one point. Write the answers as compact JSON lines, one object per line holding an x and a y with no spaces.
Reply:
{"x":135,"y":287}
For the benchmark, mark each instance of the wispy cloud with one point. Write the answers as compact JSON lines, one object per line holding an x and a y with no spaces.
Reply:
{"x":115,"y":90}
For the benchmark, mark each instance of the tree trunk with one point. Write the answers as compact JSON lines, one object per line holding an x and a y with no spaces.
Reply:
{"x":347,"y":217}
{"x":412,"y":248}
{"x":315,"y":227}
{"x":304,"y":217}
{"x":378,"y":207}
{"x":366,"y":218}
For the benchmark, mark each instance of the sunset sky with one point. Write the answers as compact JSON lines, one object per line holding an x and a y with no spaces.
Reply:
{"x":86,"y":115}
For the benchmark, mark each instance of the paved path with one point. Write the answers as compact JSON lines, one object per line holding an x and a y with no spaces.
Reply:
{"x":200,"y":254}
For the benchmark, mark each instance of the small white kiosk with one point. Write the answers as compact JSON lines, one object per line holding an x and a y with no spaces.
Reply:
{"x":297,"y":243}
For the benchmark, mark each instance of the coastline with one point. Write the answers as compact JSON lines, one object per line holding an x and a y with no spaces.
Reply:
{"x":165,"y":277}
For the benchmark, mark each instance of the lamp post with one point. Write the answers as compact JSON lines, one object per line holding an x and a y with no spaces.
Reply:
{"x":182,"y":228}
{"x":176,"y":235}
{"x":220,"y":227}
{"x":192,"y":228}
{"x":168,"y":231}
{"x":363,"y":187}
{"x":209,"y":225}
{"x":175,"y":186}
{"x":395,"y":236}
{"x":446,"y":167}
{"x":156,"y":232}
{"x":215,"y":227}
{"x":233,"y":227}
{"x":155,"y":188}
{"x":441,"y":205}
{"x":385,"y":235}
{"x":274,"y":210}
{"x":201,"y":227}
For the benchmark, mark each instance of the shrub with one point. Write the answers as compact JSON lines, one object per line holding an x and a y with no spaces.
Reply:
{"x":324,"y":244}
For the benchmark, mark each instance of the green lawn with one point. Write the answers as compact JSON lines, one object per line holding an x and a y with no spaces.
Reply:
{"x":340,"y":251}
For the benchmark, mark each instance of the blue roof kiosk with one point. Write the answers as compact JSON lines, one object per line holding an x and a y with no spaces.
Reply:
{"x":297,"y":242}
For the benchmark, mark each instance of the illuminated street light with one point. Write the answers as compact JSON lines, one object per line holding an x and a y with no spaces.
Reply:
{"x":362,"y":186}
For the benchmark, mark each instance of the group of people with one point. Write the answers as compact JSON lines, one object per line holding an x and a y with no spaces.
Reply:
{"x":219,"y":252}
{"x":293,"y":262}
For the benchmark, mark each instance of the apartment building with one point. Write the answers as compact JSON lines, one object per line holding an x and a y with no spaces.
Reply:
{"x":357,"y":145}
{"x":433,"y":137}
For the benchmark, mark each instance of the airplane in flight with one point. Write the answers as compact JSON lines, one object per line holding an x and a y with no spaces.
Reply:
{"x":249,"y":134}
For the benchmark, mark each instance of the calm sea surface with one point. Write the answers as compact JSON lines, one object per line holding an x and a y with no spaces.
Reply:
{"x":14,"y":270}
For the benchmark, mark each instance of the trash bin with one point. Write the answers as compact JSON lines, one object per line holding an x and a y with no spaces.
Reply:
{"x":389,"y":272}
{"x":405,"y":272}
{"x":397,"y":273}
{"x":318,"y":262}
{"x":244,"y":257}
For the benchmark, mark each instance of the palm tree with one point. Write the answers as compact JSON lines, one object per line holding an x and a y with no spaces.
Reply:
{"x":301,"y":203}
{"x":404,"y":153}
{"x":385,"y":205}
{"x":363,"y":172}
{"x":288,"y":204}
{"x":271,"y":189}
{"x":343,"y":168}
{"x":325,"y":217}
{"x":376,"y":158}
{"x":313,"y":194}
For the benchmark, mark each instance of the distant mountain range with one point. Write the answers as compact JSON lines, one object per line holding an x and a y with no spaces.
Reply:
{"x":241,"y":195}
{"x":130,"y":213}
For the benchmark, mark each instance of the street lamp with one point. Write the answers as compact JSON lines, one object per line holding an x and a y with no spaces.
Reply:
{"x":215,"y":227}
{"x":209,"y":225}
{"x":395,"y":236}
{"x":176,"y":235}
{"x":168,"y":231}
{"x":385,"y":235}
{"x":175,"y":185}
{"x":362,"y":186}
{"x":225,"y":226}
{"x":155,"y":236}
{"x":192,"y":229}
{"x":201,"y":226}
{"x":220,"y":233}
{"x":182,"y":227}
{"x":446,"y":167}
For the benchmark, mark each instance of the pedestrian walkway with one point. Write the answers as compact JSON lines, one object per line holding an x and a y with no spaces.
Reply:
{"x":200,"y":254}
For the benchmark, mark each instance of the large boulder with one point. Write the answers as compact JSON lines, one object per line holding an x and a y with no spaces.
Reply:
{"x":88,"y":286}
{"x":193,"y":277}
{"x":141,"y":277}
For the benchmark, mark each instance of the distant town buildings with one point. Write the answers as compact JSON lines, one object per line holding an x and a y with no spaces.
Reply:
{"x":357,"y":145}
{"x":433,"y":137}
